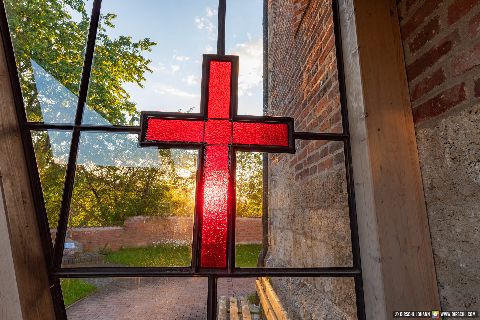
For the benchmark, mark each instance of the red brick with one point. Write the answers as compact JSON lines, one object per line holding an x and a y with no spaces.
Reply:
{"x":429,"y":58}
{"x":147,"y":231}
{"x":466,"y":60}
{"x":428,"y":32}
{"x":325,"y":165}
{"x":428,"y":84}
{"x":440,"y":103}
{"x":459,"y":9}
{"x":474,"y":26}
{"x":419,"y":17}
{"x":477,"y":88}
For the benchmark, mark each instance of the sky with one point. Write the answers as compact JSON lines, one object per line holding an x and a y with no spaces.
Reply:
{"x":183,"y":31}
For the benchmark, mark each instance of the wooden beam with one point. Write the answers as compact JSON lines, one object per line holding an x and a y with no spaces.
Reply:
{"x":246,"y":315}
{"x":233,"y":308}
{"x":24,"y":237}
{"x":222,"y":308}
{"x":397,"y":258}
{"x":10,"y":307}
{"x":266,"y":306}
{"x":274,"y":300}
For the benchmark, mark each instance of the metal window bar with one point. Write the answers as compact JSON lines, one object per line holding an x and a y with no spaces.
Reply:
{"x":54,"y":256}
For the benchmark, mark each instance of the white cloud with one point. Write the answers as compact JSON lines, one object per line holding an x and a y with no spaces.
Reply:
{"x":159,"y":67}
{"x":204,"y":23}
{"x":181,"y":58}
{"x":191,"y":80}
{"x":175,"y":68}
{"x":209,"y":49}
{"x":164,"y":89}
{"x":251,"y":65}
{"x":210,"y":12}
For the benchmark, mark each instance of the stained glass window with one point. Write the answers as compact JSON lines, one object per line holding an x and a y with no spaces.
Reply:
{"x":151,"y":130}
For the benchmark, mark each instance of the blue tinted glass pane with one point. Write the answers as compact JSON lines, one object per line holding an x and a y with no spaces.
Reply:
{"x":130,"y":201}
{"x":49,"y":39}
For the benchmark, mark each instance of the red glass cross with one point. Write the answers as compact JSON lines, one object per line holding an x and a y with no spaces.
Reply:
{"x":218,"y":131}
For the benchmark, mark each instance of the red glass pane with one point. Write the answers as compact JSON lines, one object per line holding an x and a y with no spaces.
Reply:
{"x":266,"y":134}
{"x":219,"y":90}
{"x":218,"y":131}
{"x":169,"y":130}
{"x":216,"y":201}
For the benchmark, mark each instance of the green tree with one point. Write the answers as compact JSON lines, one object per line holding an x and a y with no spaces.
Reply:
{"x":53,"y":34}
{"x":249,"y":184}
{"x":46,"y":32}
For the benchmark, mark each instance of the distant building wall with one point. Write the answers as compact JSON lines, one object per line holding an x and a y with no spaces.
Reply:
{"x":146,"y":231}
{"x":442,"y":52}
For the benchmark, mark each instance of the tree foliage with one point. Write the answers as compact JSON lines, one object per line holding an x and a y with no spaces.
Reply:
{"x":53,"y":34}
{"x":249,"y":181}
{"x":45,"y":31}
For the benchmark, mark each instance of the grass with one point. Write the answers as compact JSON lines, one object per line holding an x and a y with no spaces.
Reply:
{"x":246,"y":255}
{"x":75,"y":289}
{"x":253,"y":299}
{"x":169,"y":255}
{"x":164,"y":255}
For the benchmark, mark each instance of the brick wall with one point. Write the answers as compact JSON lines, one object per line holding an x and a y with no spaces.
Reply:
{"x":146,"y":231}
{"x":308,"y":217}
{"x":442,"y":51}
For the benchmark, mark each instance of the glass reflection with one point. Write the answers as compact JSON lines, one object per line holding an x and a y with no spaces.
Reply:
{"x":49,"y":39}
{"x":131,"y":206}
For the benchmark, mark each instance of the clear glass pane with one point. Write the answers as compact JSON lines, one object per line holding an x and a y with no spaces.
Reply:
{"x":248,"y":224}
{"x":303,"y":78}
{"x":51,"y":153}
{"x":49,"y":39}
{"x":149,"y":57}
{"x":135,"y":298}
{"x":316,"y":298}
{"x":238,"y":295}
{"x":244,"y":38}
{"x":292,"y":298}
{"x":308,"y":222}
{"x":131,"y":206}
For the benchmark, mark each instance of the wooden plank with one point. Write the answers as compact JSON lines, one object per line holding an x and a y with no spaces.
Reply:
{"x":222,"y":308}
{"x":10,"y":307}
{"x":246,"y":315}
{"x":266,"y":306}
{"x":233,"y":308}
{"x":275,"y":302}
{"x":30,"y":267}
{"x":392,"y":218}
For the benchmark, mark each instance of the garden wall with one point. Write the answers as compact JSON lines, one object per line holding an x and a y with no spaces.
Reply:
{"x":146,"y":231}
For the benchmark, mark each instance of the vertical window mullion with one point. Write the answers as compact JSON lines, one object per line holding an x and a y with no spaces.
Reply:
{"x":72,"y":160}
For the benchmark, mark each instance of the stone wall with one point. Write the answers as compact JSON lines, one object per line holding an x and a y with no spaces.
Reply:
{"x":147,"y":231}
{"x":308,"y":211}
{"x":442,"y":52}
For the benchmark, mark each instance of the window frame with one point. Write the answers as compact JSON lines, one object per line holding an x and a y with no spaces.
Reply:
{"x":53,"y":255}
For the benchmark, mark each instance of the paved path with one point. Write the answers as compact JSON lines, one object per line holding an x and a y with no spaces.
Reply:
{"x":154,"y":299}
